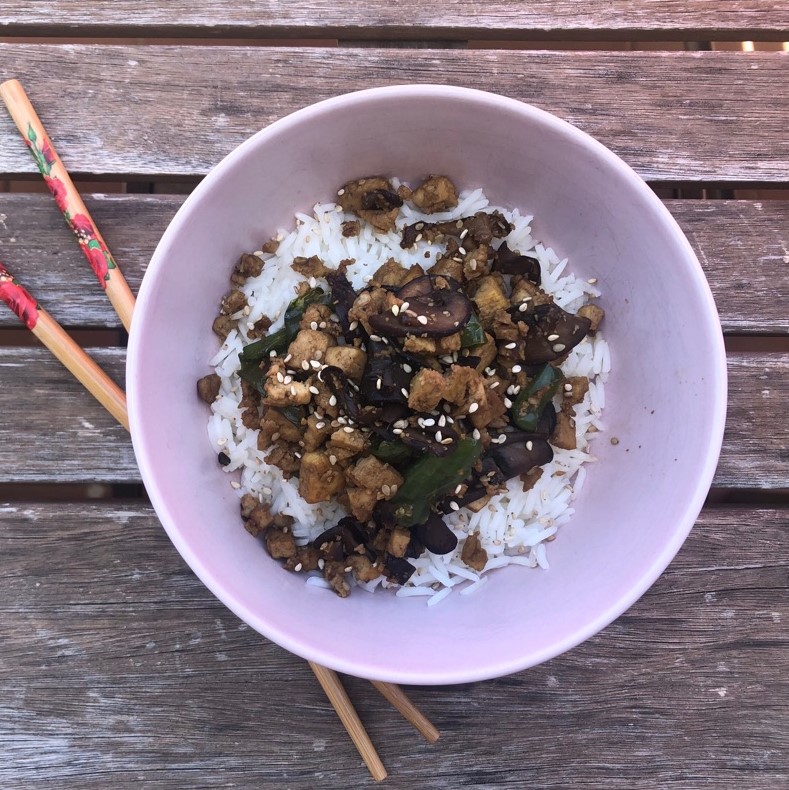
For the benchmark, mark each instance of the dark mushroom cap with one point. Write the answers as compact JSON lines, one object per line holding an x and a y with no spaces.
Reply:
{"x":545,"y":321}
{"x":508,"y":262}
{"x":435,"y":535}
{"x":518,"y":458}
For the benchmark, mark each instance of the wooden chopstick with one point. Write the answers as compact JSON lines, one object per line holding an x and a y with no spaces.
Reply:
{"x":68,"y":199}
{"x":102,"y":387}
{"x":54,"y":337}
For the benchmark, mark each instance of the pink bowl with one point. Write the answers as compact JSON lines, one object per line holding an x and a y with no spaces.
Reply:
{"x":666,"y":396}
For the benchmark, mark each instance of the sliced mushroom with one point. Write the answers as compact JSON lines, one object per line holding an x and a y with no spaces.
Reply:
{"x":439,"y":313}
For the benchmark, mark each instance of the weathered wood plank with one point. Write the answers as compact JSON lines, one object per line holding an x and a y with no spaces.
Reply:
{"x":742,"y":245}
{"x":457,"y":19}
{"x":67,"y":436}
{"x":692,"y":117}
{"x":118,"y":667}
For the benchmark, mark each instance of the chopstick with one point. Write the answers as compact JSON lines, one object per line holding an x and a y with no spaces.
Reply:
{"x":114,"y":400}
{"x":53,"y":336}
{"x":68,"y":199}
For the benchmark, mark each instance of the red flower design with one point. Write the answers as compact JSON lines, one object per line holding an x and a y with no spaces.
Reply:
{"x":58,"y":190}
{"x":83,"y":226}
{"x":18,"y":299}
{"x":98,"y":262}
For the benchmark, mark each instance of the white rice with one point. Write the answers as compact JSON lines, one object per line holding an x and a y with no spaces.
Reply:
{"x":516,"y":525}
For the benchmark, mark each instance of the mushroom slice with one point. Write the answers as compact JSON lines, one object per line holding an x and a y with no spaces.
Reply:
{"x":552,"y":333}
{"x":435,"y":535}
{"x":439,"y":313}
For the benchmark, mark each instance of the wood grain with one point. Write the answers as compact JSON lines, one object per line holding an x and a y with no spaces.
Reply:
{"x":690,"y":117}
{"x":61,"y":414}
{"x":410,"y":19}
{"x":117,"y":667}
{"x":742,"y":245}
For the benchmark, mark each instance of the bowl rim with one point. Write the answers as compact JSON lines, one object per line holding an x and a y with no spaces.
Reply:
{"x":496,"y":667}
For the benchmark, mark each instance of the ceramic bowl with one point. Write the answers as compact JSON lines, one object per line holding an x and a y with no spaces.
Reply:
{"x":665,"y":396}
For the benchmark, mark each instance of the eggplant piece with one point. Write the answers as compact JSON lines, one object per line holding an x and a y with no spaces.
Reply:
{"x":415,"y":546}
{"x":398,"y":569}
{"x":342,"y":296}
{"x":482,"y":228}
{"x":439,"y":313}
{"x":381,"y":200}
{"x":426,"y":284}
{"x":424,"y":443}
{"x":436,"y":536}
{"x":473,"y":334}
{"x":518,"y":458}
{"x":564,"y":329}
{"x":468,"y":362}
{"x":507,"y":261}
{"x":331,"y":538}
{"x":384,"y":379}
{"x":347,"y":397}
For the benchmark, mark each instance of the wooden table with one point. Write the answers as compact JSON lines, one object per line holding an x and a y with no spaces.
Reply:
{"x":117,"y":667}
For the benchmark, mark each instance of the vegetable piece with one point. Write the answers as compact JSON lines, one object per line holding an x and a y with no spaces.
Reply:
{"x":439,"y":313}
{"x":381,"y":200}
{"x":435,"y":535}
{"x":294,"y":414}
{"x":392,"y":452}
{"x":518,"y":458}
{"x":509,"y":262}
{"x":398,"y":569}
{"x":430,"y":478}
{"x":423,"y":286}
{"x":473,"y":333}
{"x":253,"y":354}
{"x":545,"y":321}
{"x":384,"y":379}
{"x":533,"y":398}
{"x":424,"y":442}
{"x":342,"y":297}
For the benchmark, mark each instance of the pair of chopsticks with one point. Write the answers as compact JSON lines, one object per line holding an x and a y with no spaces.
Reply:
{"x":109,"y":395}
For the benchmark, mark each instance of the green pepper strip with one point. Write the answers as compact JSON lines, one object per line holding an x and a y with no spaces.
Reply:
{"x":431,"y":478}
{"x":253,"y":354}
{"x":473,"y":334}
{"x":525,"y":412}
{"x":392,"y":452}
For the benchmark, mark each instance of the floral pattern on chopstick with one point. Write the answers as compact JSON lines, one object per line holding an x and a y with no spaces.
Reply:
{"x":18,"y":299}
{"x":92,"y":245}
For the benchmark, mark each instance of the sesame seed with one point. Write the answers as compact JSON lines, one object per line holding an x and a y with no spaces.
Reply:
{"x":221,"y":442}
{"x":490,"y":371}
{"x":321,"y":564}
{"x":275,"y":436}
{"x":273,"y":354}
{"x":510,"y":389}
{"x":459,"y":223}
{"x":313,"y":325}
{"x":473,"y":407}
{"x":454,"y":506}
{"x":266,"y":490}
{"x":418,"y":237}
{"x":422,"y":319}
{"x":516,"y":368}
{"x":353,"y":325}
{"x":511,"y":345}
{"x":464,"y":233}
{"x":448,"y":440}
{"x":332,"y":459}
{"x":407,"y":368}
{"x":378,"y":384}
{"x":287,"y":358}
{"x":472,"y":264}
{"x":401,"y":424}
{"x":439,"y":437}
{"x":447,"y":359}
{"x":523,"y":307}
{"x":315,"y":391}
{"x":462,"y":250}
{"x":529,"y":445}
{"x":559,"y":347}
{"x":404,"y":391}
{"x":428,"y":422}
{"x":293,"y":390}
{"x":475,"y":434}
{"x":553,"y":337}
{"x":508,"y":403}
{"x":333,"y":400}
{"x":287,"y":379}
{"x":280,"y":377}
{"x":394,"y":488}
{"x":298,"y":567}
{"x":342,"y":420}
{"x":340,"y":193}
{"x":348,"y":429}
{"x":397,"y":431}
{"x":235,"y":484}
{"x":385,"y":490}
{"x":315,"y":364}
{"x":313,"y":282}
{"x":318,"y":353}
{"x":516,"y":389}
{"x":375,"y":338}
{"x":568,"y":387}
{"x":405,"y":305}
{"x":349,"y":569}
{"x":442,"y":420}
{"x":494,"y":384}
{"x":298,"y":455}
{"x":395,"y":309}
{"x":319,"y":426}
{"x":322,"y":325}
{"x":305,"y":365}
{"x":592,"y":280}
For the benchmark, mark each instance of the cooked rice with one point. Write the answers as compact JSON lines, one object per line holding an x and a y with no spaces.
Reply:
{"x":516,"y":525}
